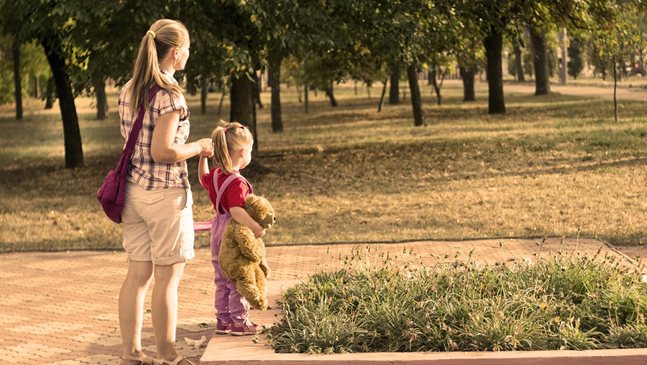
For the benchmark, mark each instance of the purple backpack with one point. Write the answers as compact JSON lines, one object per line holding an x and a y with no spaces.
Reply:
{"x":112,"y":193}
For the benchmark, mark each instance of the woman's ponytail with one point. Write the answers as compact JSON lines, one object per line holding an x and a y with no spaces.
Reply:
{"x":163,"y":35}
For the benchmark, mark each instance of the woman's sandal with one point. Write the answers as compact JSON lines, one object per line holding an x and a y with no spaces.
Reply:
{"x":141,"y":360}
{"x":178,"y":361}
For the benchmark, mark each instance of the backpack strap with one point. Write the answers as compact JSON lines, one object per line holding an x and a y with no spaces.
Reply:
{"x":225,"y":184}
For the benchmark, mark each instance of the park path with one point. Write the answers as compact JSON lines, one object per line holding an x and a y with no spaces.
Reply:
{"x":623,"y":93}
{"x":61,"y":308}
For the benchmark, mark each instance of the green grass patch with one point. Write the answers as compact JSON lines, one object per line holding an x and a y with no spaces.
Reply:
{"x":557,"y":303}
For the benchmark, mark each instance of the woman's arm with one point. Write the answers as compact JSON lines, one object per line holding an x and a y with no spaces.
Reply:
{"x":240,"y":215}
{"x":163,"y":148}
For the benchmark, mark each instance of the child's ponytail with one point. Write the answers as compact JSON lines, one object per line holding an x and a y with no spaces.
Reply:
{"x":221,"y":155}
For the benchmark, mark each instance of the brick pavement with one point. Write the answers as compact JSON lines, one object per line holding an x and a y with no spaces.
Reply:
{"x":61,"y":308}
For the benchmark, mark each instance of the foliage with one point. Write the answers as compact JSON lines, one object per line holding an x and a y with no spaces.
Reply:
{"x":615,"y":31}
{"x":575,"y":56}
{"x":32,"y":63}
{"x":558,"y":303}
{"x":6,"y":71}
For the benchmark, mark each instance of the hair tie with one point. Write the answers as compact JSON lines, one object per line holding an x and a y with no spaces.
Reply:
{"x":225,"y":129}
{"x":151,"y":33}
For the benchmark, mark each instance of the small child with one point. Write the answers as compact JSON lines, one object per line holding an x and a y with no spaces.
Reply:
{"x":227,"y":190}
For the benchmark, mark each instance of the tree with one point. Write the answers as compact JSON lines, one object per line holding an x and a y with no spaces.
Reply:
{"x":394,"y":90}
{"x":575,"y":57}
{"x":615,"y":30}
{"x":518,"y":60}
{"x":290,"y":27}
{"x":17,"y":77}
{"x":403,"y":35}
{"x":6,"y":71}
{"x":493,"y":18}
{"x":438,"y":70}
{"x":493,"y":42}
{"x":540,"y":58}
{"x":48,"y":23}
{"x":71,"y":131}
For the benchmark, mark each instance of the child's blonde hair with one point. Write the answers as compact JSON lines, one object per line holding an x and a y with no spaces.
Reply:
{"x":228,"y":138}
{"x":163,"y":35}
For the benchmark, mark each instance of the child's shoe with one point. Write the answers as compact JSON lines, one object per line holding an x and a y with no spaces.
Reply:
{"x":222,"y":328}
{"x":244,"y":329}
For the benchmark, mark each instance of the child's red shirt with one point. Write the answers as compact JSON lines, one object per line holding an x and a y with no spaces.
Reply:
{"x":233,"y":196}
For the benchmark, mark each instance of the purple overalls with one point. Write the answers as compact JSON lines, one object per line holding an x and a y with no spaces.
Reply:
{"x":231,"y":307}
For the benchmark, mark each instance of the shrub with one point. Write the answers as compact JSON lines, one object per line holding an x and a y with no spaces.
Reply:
{"x":556,"y":303}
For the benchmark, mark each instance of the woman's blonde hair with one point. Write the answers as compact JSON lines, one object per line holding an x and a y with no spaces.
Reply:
{"x":163,"y":35}
{"x":228,"y":138}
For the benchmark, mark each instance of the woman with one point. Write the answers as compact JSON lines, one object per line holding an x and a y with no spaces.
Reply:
{"x":157,"y":219}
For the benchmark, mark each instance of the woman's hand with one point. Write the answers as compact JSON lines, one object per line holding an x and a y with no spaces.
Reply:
{"x":206,"y":147}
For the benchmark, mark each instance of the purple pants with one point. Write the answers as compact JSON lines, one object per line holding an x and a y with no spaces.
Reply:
{"x":230,"y":305}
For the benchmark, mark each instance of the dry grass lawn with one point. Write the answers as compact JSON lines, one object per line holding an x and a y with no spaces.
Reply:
{"x":554,"y":165}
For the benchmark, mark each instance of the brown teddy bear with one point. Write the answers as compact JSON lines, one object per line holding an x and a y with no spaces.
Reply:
{"x":242,"y":256}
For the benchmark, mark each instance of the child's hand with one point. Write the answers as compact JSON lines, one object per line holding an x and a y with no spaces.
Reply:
{"x":259,"y":233}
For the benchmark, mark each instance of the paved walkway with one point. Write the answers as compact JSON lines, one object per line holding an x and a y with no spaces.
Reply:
{"x":61,"y":308}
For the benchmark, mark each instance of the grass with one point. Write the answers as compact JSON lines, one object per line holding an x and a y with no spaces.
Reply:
{"x":554,"y":165}
{"x":557,"y":303}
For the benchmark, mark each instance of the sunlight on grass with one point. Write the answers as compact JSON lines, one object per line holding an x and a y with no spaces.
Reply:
{"x":555,"y":165}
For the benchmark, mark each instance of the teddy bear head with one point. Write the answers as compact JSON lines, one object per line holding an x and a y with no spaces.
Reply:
{"x":260,"y":210}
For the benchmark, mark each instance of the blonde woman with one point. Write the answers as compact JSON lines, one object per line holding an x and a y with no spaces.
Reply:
{"x":157,"y":219}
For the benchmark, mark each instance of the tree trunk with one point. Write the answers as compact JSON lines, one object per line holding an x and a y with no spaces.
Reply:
{"x":100,"y":95}
{"x":467,"y":74}
{"x":17,"y":78}
{"x":518,"y":62}
{"x":71,"y":130}
{"x":540,"y":60}
{"x":563,"y":60}
{"x":379,"y":106}
{"x":222,"y":99}
{"x":191,"y":87}
{"x":242,"y":104}
{"x":394,"y":91}
{"x":434,"y":83}
{"x":493,"y":46}
{"x":204,"y":92}
{"x":36,"y":85}
{"x":416,"y":103}
{"x":51,"y":93}
{"x":274,"y":79}
{"x":305,"y":97}
{"x":257,"y":91}
{"x":330,"y":94}
{"x":615,"y":91}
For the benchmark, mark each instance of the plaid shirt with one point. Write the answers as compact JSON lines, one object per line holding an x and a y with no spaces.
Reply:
{"x":143,"y":170}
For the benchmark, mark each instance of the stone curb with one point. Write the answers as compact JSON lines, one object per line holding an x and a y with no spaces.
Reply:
{"x":251,"y":354}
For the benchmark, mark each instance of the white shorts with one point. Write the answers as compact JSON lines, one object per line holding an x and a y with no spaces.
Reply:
{"x":158,"y":225}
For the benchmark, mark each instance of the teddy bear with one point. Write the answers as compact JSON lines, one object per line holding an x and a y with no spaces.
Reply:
{"x":242,"y":256}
